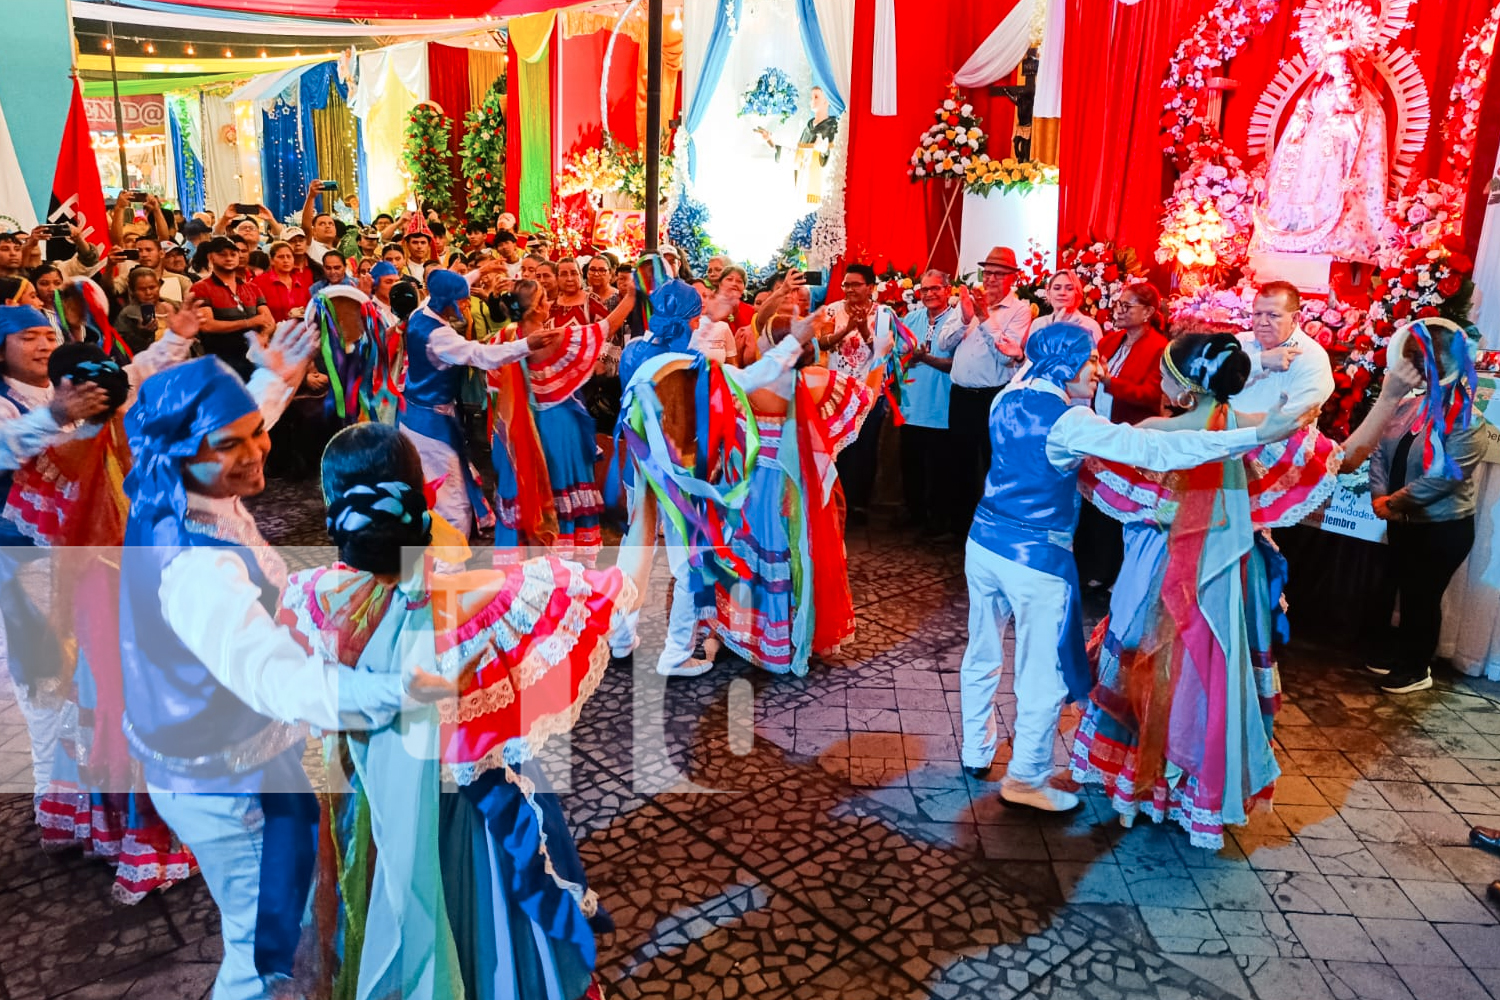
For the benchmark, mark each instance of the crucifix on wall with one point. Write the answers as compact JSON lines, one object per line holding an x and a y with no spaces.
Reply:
{"x":1023,"y":96}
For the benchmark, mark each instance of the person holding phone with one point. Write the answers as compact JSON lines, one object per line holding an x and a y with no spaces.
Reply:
{"x":230,"y":307}
{"x":321,"y":230}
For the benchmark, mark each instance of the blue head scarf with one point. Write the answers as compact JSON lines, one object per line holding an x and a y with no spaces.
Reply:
{"x":1058,"y":352}
{"x":673,"y":306}
{"x":14,"y":319}
{"x":445,"y":289}
{"x":384,"y":269}
{"x":174,"y":411}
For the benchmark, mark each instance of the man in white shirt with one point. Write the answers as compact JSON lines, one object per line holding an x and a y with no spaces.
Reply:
{"x":987,"y":352}
{"x":323,"y":234}
{"x":1283,"y":359}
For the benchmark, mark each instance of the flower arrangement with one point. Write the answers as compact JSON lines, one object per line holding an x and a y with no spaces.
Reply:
{"x":425,"y":157}
{"x":482,"y":155}
{"x":773,"y":96}
{"x":1031,"y":283}
{"x":1422,"y":282}
{"x":1424,"y":214}
{"x":1105,"y":270}
{"x":984,"y":175}
{"x":1461,"y":124}
{"x":953,"y":142}
{"x":1207,"y":221}
{"x":687,"y":228}
{"x":609,"y":167}
{"x":896,"y":288}
{"x":569,"y":229}
{"x":1215,"y":39}
{"x":1211,"y":306}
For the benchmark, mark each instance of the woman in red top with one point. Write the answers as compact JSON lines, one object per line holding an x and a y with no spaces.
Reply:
{"x":286,"y":297}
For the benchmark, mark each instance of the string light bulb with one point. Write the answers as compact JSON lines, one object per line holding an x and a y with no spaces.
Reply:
{"x":150,"y":49}
{"x":263,"y":53}
{"x":228,"y":54}
{"x":108,"y":45}
{"x":677,"y":19}
{"x":190,"y":50}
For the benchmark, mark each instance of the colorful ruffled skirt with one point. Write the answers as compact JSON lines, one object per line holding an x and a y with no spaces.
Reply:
{"x":754,"y":614}
{"x":567,"y":434}
{"x":1143,"y":735}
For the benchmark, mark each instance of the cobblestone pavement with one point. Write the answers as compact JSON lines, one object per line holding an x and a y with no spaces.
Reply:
{"x":766,"y":837}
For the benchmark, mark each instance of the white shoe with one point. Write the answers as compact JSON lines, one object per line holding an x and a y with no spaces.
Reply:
{"x":688,"y":668}
{"x":1020,"y":795}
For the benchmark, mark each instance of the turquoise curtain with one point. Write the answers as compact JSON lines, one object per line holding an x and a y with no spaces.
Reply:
{"x":817,"y":55}
{"x":708,"y":79}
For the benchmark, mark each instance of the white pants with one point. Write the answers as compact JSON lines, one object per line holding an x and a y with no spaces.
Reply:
{"x":682,"y":620}
{"x":226,"y":834}
{"x":1000,"y":590}
{"x":44,"y":724}
{"x":441,"y":462}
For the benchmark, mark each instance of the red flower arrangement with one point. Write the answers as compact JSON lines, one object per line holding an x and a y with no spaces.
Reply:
{"x":1421,"y":282}
{"x":1214,"y":40}
{"x":1461,"y":124}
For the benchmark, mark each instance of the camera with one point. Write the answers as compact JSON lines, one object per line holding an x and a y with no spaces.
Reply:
{"x":139,"y":195}
{"x":329,"y":185}
{"x":814,"y":279}
{"x":57,"y":231}
{"x":131,"y":254}
{"x":506,"y":307}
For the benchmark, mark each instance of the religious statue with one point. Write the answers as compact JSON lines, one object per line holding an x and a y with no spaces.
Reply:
{"x":813,"y":148}
{"x":1335,"y":165}
{"x":1023,"y":96}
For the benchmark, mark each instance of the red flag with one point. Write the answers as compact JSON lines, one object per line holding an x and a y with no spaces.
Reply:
{"x":77,"y":195}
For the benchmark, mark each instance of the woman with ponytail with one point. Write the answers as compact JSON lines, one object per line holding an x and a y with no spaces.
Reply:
{"x":1179,"y":721}
{"x":477,"y":893}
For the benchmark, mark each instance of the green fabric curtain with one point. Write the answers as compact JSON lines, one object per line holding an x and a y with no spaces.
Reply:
{"x":536,"y":141}
{"x":157,"y":84}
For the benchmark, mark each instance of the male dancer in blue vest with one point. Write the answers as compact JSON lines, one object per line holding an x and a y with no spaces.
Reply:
{"x":1019,"y":560}
{"x":437,"y":356}
{"x":213,"y":685}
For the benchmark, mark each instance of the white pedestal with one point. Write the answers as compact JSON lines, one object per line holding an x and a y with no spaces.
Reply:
{"x":1008,"y":220}
{"x":1308,"y":271}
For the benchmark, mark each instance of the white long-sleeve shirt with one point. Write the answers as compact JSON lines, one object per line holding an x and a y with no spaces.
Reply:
{"x":211,"y":604}
{"x":446,"y":348}
{"x":1307,"y":383}
{"x":1080,"y":433}
{"x":987,"y":353}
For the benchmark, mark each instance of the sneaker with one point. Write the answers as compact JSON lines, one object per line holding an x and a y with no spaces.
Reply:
{"x":688,"y":668}
{"x":1019,"y":795}
{"x":1406,"y":683}
{"x":977,"y":773}
{"x":626,"y":662}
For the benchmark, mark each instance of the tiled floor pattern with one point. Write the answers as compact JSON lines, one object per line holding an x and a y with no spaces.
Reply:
{"x":767,"y":837}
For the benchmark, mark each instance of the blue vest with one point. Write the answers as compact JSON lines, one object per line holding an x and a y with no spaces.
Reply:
{"x":190,"y":732}
{"x":1030,"y":511}
{"x":427,"y":385}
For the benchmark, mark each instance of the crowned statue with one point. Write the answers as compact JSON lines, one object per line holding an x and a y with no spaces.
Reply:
{"x":1329,"y":175}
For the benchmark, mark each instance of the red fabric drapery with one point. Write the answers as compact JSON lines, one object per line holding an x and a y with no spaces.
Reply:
{"x":448,"y":85}
{"x":888,"y":217}
{"x":1114,"y":176}
{"x":512,"y":130}
{"x":580,"y":64}
{"x":436,"y":10}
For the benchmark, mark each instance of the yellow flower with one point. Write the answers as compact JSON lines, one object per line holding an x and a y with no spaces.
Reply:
{"x":973,"y":133}
{"x":947,"y":164}
{"x":1010,"y":161}
{"x":950,"y":133}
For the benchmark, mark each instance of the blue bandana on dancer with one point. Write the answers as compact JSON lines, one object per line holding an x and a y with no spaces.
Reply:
{"x":192,"y":734}
{"x":674,"y":305}
{"x":14,"y":319}
{"x":1030,"y":508}
{"x":383,"y":269}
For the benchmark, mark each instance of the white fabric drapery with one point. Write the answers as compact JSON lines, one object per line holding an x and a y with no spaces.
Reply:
{"x":266,"y":86}
{"x":999,"y":54}
{"x":1487,"y":276}
{"x":1049,"y":72}
{"x":836,"y":22}
{"x":409,"y":64}
{"x":697,"y":29}
{"x":221,"y":160}
{"x":883,"y":66}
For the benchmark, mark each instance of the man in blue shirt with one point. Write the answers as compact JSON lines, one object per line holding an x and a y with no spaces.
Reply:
{"x":926,"y":455}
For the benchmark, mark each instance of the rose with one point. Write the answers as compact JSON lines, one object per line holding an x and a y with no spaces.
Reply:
{"x":1417,"y":213}
{"x":1408,"y":280}
{"x":1450,"y":286}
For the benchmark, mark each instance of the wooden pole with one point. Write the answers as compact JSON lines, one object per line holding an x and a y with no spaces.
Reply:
{"x":653,"y":124}
{"x":114,"y":79}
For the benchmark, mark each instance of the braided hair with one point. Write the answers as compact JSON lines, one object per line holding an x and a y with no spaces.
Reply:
{"x":1213,"y":363}
{"x":377,"y":510}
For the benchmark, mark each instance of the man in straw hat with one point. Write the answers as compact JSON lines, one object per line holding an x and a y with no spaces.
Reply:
{"x":986,"y":350}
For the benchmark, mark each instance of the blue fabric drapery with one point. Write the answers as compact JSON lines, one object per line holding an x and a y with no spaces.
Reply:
{"x":188,"y":168}
{"x":708,"y":78}
{"x":285,"y":165}
{"x":817,"y":55}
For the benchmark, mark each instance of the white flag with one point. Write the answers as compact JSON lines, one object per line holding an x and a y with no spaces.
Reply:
{"x":16,"y":211}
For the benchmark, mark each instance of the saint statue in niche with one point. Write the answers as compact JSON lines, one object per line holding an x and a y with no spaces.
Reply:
{"x":1332,"y":170}
{"x":814,"y":145}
